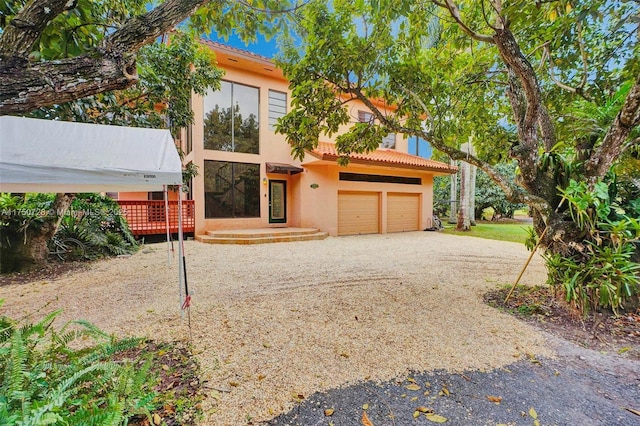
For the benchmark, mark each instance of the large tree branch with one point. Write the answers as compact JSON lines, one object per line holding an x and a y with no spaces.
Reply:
{"x":536,"y":114}
{"x":615,"y":138}
{"x":19,"y":36}
{"x":141,"y":30}
{"x":24,"y":86}
{"x":455,"y":14}
{"x":57,"y":82}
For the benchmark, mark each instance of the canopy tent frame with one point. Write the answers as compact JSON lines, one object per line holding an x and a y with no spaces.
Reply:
{"x":39,"y":155}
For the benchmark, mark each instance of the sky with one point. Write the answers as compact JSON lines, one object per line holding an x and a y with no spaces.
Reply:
{"x":261,"y":46}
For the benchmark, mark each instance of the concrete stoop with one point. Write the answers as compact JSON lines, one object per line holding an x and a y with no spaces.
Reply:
{"x":261,"y":236}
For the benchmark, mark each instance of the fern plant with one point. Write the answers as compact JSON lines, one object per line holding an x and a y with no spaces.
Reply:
{"x":45,"y":380}
{"x":96,"y":220}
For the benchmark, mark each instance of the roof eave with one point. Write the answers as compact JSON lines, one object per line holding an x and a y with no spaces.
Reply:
{"x":334,"y":158}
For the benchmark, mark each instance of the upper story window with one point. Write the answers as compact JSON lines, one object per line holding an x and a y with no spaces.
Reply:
{"x":388,"y":141}
{"x":277,"y":107}
{"x":419,"y":147}
{"x":231,"y":119}
{"x":365,"y":117}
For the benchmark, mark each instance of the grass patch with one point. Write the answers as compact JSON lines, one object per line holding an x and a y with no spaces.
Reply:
{"x":515,"y":232}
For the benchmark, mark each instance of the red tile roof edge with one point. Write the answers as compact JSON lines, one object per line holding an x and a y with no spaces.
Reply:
{"x":243,"y":52}
{"x":326,"y":151}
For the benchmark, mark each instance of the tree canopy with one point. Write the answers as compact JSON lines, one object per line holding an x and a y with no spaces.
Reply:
{"x":56,"y":51}
{"x":512,"y":77}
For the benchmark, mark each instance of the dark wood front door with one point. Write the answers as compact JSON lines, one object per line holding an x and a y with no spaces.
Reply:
{"x":277,"y":201}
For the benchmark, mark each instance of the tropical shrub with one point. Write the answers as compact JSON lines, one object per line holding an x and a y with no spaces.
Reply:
{"x":44,"y":380}
{"x":600,"y":271}
{"x":97,"y":221}
{"x":92,"y":218}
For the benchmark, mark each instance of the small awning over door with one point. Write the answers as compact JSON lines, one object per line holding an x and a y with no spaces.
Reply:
{"x":282,"y":168}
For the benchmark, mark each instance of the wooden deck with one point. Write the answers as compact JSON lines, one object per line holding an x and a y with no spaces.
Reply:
{"x":149,"y":217}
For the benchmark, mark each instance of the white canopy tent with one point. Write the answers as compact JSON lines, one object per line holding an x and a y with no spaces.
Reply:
{"x":60,"y":156}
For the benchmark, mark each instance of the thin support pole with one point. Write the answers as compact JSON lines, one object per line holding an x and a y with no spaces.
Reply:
{"x":166,"y":220}
{"x":506,"y":299}
{"x":181,"y":263}
{"x":186,"y":304}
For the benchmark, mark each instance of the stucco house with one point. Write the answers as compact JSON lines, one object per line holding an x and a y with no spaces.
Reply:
{"x":248,"y":178}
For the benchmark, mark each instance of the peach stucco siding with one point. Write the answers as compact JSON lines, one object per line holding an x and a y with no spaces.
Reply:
{"x":312,"y":196}
{"x":273,"y":148}
{"x":319,"y":206}
{"x":143,"y":196}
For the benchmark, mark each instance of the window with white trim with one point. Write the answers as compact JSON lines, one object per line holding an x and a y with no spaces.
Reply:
{"x":277,"y":107}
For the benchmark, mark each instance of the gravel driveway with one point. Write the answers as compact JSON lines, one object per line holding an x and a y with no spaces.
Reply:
{"x":272,"y":324}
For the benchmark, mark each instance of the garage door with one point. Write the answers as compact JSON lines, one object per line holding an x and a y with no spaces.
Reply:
{"x":403,"y":212}
{"x":358,"y":213}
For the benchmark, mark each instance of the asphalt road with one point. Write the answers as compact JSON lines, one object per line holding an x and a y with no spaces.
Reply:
{"x":578,"y":387}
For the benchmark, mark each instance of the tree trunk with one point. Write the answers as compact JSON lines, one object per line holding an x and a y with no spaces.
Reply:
{"x":30,"y":249}
{"x":453,"y":209}
{"x":464,"y":223}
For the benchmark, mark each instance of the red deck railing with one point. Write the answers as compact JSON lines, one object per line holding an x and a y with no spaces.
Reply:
{"x":148,"y":217}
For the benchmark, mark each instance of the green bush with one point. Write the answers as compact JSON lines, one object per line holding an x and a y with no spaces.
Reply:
{"x":601,"y":271}
{"x":96,"y":220}
{"x":92,"y":218}
{"x":45,"y":381}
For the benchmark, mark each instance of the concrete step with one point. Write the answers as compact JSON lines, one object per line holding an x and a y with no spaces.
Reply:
{"x":260,"y":232}
{"x":260,"y":237}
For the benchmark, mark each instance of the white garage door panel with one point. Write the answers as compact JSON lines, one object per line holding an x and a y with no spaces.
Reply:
{"x":403,"y":212}
{"x":358,"y":213}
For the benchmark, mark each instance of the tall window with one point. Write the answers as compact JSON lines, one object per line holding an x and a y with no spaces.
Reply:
{"x":231,"y":189}
{"x":277,"y":107}
{"x":231,"y":121}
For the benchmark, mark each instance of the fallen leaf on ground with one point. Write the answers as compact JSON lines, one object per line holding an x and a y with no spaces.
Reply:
{"x":424,"y":410}
{"x":365,"y":419}
{"x":156,"y":419}
{"x":532,"y":413}
{"x":496,"y":399}
{"x":365,"y":407}
{"x":413,"y":387}
{"x":436,"y":418}
{"x":329,"y":412}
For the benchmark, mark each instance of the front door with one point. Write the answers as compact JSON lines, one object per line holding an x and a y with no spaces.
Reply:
{"x":277,"y":201}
